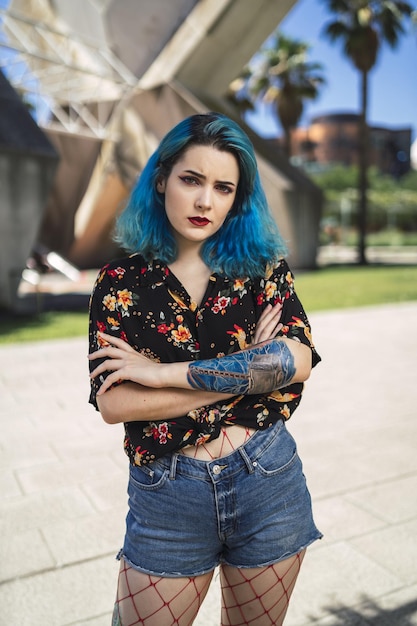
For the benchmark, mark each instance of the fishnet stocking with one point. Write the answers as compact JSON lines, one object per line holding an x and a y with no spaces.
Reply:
{"x":144,"y":600}
{"x":258,"y":596}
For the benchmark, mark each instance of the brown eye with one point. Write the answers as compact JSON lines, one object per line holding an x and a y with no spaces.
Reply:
{"x":224,"y":189}
{"x":189,"y":180}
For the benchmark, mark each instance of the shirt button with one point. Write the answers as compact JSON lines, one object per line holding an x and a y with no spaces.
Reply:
{"x":216,"y":469}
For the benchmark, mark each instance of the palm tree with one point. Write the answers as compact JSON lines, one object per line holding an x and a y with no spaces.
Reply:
{"x":363,"y":25}
{"x":279,"y":73}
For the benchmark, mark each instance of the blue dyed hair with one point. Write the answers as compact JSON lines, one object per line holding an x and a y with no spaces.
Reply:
{"x":247,"y":241}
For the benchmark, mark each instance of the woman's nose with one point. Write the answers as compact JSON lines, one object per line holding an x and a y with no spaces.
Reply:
{"x":204,"y":198}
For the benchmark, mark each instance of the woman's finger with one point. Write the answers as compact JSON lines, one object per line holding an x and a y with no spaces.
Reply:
{"x":114,"y":341}
{"x":122,"y":362}
{"x":269,"y":323}
{"x":270,"y":314}
{"x":111,"y":379}
{"x":107,"y":366}
{"x":109,"y":351}
{"x":267,"y":313}
{"x":267,"y":332}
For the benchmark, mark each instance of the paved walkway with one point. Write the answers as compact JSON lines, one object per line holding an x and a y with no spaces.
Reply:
{"x":63,"y":481}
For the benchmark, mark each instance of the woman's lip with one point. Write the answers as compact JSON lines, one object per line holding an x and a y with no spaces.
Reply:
{"x":199,"y":221}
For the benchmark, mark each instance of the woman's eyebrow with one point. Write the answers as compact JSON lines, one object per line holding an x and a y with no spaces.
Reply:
{"x":199,"y":175}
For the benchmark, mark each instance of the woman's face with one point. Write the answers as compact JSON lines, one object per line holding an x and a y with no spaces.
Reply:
{"x":199,"y":193}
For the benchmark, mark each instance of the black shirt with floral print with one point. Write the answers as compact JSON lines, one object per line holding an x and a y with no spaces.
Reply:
{"x":146,"y":305}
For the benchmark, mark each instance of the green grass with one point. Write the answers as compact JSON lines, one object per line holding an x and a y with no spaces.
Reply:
{"x":346,"y":287}
{"x":47,"y":325}
{"x":325,"y":289}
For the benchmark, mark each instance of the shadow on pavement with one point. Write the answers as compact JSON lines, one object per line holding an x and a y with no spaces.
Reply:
{"x":371,"y":614}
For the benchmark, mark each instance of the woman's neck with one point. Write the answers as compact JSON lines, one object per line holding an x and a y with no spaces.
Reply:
{"x":189,"y":256}
{"x":192,"y":272}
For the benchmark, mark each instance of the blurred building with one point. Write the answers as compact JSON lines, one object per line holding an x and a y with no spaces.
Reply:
{"x":333,"y":138}
{"x":106,"y":79}
{"x":28,"y":163}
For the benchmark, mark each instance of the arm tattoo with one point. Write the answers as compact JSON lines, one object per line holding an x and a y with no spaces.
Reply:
{"x":257,"y":370}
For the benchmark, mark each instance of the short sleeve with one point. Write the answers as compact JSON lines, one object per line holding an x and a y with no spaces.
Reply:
{"x":278,"y":286}
{"x":103,"y":317}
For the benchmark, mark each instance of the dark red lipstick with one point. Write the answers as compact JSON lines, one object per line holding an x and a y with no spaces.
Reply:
{"x":199,"y":221}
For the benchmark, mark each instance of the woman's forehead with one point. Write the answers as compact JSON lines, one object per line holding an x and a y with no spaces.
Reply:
{"x":209,"y":160}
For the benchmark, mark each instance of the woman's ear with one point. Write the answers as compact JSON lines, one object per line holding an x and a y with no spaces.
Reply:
{"x":160,"y":185}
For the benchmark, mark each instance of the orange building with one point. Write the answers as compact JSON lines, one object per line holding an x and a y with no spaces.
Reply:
{"x":334,"y":139}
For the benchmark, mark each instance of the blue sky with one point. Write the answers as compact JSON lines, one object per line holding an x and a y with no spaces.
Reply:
{"x":392,"y":83}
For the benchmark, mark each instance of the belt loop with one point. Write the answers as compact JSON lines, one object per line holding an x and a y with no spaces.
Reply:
{"x":249,"y":464}
{"x":173,"y":468}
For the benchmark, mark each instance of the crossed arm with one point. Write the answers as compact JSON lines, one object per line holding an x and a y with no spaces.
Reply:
{"x":173,"y":389}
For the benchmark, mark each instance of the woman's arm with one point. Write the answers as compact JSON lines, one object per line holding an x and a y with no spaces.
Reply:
{"x":273,"y":364}
{"x":265,"y":367}
{"x":132,"y":402}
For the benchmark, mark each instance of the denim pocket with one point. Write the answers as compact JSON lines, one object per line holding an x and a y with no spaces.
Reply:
{"x":149,"y":477}
{"x":279,"y":456}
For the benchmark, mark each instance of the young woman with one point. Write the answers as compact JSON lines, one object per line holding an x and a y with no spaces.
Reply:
{"x":200,"y":346}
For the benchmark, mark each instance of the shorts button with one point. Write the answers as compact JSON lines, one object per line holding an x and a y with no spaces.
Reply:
{"x":216,"y":469}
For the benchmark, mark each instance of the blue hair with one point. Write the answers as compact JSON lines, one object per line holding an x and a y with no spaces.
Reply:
{"x":249,"y":239}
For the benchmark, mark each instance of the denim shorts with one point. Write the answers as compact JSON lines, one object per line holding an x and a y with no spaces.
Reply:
{"x":250,"y":508}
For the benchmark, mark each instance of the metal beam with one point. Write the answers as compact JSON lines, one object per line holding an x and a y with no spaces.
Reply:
{"x":59,"y":73}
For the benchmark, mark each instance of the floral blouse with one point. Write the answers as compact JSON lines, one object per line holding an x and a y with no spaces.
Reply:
{"x":146,"y":305}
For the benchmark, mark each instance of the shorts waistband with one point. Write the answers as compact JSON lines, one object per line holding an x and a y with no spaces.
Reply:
{"x":244,"y":457}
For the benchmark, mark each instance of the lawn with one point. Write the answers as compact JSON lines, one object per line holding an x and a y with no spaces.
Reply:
{"x":47,"y":325}
{"x":329,"y":288}
{"x":346,"y":286}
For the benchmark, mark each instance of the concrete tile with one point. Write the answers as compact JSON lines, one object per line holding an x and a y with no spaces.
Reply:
{"x":28,"y":512}
{"x":102,"y":443}
{"x":94,"y":424}
{"x":354,"y":460}
{"x":50,"y":476}
{"x":62,"y":596}
{"x":23,"y":554}
{"x":50,"y":422}
{"x":399,"y":607}
{"x":334,"y":474}
{"x":8,"y":402}
{"x":394,"y":548}
{"x":37,"y":453}
{"x":108,"y":493}
{"x":343,"y":618}
{"x":24,"y":394}
{"x":97,"y":535}
{"x":393,"y":501}
{"x":336,"y":576}
{"x":396,"y":609}
{"x":348,"y":456}
{"x":120,"y":458}
{"x":339,"y":519}
{"x":11,"y":428}
{"x":385,"y":454}
{"x":9,"y":487}
{"x":103,"y":620}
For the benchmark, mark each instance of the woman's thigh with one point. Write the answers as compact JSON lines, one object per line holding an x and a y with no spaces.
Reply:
{"x":155,"y":601}
{"x":258,"y":596}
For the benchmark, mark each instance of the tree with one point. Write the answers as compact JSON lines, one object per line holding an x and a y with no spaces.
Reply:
{"x":279,"y":73}
{"x":363,"y":25}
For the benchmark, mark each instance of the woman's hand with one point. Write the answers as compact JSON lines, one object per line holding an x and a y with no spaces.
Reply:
{"x":268,"y":325}
{"x":125,"y":363}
